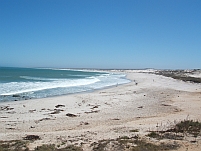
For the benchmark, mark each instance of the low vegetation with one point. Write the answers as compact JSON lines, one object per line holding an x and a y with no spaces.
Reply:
{"x":189,"y":126}
{"x":180,"y":75}
{"x":52,"y":147}
{"x":15,"y":145}
{"x":22,"y":146}
{"x":184,"y":128}
{"x":131,"y":144}
{"x":177,"y":132}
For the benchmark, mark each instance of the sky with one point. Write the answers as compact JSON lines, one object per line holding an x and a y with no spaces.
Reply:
{"x":122,"y":34}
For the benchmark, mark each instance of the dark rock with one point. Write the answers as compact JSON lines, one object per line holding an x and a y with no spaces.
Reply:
{"x":116,"y":119}
{"x":86,"y":123}
{"x":59,"y":105}
{"x":95,"y":107}
{"x":16,"y":95}
{"x":44,"y":119}
{"x":6,"y":108}
{"x":71,"y":115}
{"x":165,"y":105}
{"x":31,"y":137}
{"x":10,"y":128}
{"x":3,"y":117}
{"x":31,"y":111}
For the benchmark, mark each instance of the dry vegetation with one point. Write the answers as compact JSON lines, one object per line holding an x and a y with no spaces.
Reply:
{"x":188,"y":128}
{"x":181,"y":75}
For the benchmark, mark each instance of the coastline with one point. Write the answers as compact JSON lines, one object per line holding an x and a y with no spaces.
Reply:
{"x":84,"y":118}
{"x":56,"y":84}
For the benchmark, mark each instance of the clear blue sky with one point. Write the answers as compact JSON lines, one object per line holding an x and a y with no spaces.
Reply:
{"x":162,"y":34}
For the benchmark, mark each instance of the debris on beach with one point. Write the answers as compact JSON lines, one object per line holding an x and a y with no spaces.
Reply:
{"x":31,"y":137}
{"x":6,"y":108}
{"x":31,"y":111}
{"x":56,"y":111}
{"x":140,"y":107}
{"x":59,"y":105}
{"x":84,"y":123}
{"x":71,"y":115}
{"x":96,"y":111}
{"x":44,"y":119}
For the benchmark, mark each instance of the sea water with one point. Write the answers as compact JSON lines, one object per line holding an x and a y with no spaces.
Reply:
{"x":28,"y":83}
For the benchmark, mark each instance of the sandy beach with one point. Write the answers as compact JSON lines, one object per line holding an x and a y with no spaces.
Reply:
{"x":149,"y":102}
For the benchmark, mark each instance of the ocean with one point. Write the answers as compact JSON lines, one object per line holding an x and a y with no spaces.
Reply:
{"x":32,"y":83}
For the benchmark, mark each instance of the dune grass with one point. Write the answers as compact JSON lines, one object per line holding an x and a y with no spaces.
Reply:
{"x":135,"y":143}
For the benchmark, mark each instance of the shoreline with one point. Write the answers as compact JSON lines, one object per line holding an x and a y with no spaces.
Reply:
{"x":22,"y":96}
{"x":84,"y":118}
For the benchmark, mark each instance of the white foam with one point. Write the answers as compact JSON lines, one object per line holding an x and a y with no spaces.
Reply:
{"x":44,"y":87}
{"x":40,"y":79}
{"x":23,"y":87}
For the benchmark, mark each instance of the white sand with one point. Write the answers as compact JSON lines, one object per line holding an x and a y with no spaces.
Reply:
{"x":147,"y":101}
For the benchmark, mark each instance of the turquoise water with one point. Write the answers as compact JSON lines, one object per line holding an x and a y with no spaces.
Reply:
{"x":29,"y":83}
